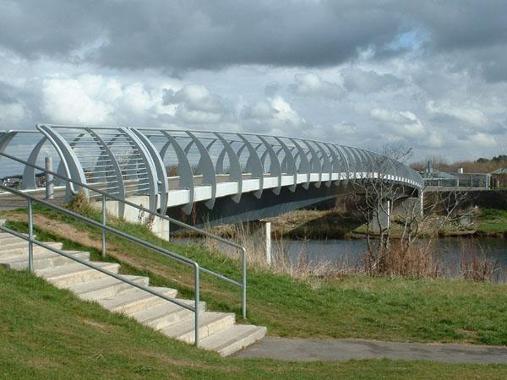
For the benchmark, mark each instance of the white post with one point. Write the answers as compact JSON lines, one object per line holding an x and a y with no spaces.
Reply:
{"x":50,"y":186}
{"x":268,"y":242}
{"x":421,"y":203}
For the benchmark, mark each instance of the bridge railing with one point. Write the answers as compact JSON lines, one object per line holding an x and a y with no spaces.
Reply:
{"x":460,"y":180}
{"x":128,"y":162}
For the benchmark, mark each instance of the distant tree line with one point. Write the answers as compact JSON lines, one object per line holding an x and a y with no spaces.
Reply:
{"x":481,"y":165}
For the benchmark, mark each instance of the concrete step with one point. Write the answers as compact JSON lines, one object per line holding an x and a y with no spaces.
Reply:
{"x":165,"y":314}
{"x":233,"y":339}
{"x":133,"y":300}
{"x":75,"y":273}
{"x":217,"y":331}
{"x":9,"y":239}
{"x":209,"y":323}
{"x":105,"y":287}
{"x":43,"y":260}
{"x":22,"y":249}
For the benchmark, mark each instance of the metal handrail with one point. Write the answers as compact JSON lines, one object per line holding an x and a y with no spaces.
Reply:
{"x":31,"y":240}
{"x":105,"y":195}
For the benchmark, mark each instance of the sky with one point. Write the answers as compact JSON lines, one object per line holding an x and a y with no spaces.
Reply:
{"x":431,"y":75}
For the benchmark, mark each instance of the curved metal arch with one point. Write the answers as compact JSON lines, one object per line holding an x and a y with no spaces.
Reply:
{"x":5,"y":139}
{"x":219,"y":166}
{"x":206,"y":167}
{"x":160,"y":169}
{"x":289,"y":162}
{"x":356,"y":161}
{"x":28,"y":181}
{"x":274,"y":161}
{"x":184,"y":169}
{"x":150,"y":166}
{"x":334,"y":162}
{"x":254,"y":164}
{"x":304,"y":164}
{"x":326,"y":166}
{"x":116,"y":169}
{"x":345,"y":159}
{"x":69,"y":160}
{"x":234,"y":166}
{"x":315,"y":163}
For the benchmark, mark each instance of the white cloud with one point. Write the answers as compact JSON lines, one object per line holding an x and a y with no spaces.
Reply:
{"x":11,"y":114}
{"x":75,"y":100}
{"x":272,"y":115}
{"x":96,"y":99}
{"x":468,"y":114}
{"x":311,"y":84}
{"x":403,"y":123}
{"x":196,"y":104}
{"x":483,"y":140}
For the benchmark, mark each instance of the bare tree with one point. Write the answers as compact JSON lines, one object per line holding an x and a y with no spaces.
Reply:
{"x":376,"y":193}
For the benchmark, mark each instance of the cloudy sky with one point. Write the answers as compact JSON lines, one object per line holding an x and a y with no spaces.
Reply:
{"x":428,"y":74}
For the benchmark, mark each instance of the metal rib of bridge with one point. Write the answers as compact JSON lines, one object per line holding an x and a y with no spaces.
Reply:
{"x":176,"y":168}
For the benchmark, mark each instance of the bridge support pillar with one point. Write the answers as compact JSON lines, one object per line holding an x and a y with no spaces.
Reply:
{"x":161,"y":228}
{"x":267,"y":230}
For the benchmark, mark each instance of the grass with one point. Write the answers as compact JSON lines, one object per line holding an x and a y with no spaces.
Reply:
{"x":48,"y":333}
{"x":395,"y":309}
{"x":493,"y":221}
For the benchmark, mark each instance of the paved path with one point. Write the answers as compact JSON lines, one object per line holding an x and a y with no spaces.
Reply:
{"x":346,"y":349}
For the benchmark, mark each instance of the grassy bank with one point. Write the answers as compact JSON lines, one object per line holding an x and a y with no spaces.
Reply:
{"x":48,"y":333}
{"x":492,"y":221}
{"x":349,"y":306}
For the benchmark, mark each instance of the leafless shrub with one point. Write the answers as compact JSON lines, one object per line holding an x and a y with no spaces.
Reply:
{"x":476,"y":266}
{"x":415,"y":261}
{"x":252,"y":238}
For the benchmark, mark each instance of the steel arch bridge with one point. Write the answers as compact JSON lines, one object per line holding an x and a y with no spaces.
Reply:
{"x":169,"y":168}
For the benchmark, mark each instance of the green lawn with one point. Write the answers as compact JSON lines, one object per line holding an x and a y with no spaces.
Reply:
{"x":47,"y":333}
{"x":349,"y":307}
{"x":493,"y":221}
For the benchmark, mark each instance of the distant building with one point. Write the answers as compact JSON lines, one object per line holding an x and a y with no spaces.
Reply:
{"x":499,"y":178}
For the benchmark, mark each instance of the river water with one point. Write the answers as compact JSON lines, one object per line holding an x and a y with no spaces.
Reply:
{"x":449,"y":252}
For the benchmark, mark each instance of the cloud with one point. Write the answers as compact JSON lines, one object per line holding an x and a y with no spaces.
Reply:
{"x":195,"y":104}
{"x":483,"y":140}
{"x":466,"y":114}
{"x":95,"y":99}
{"x":190,"y":34}
{"x":401,"y":123}
{"x":368,"y":81}
{"x":11,"y":114}
{"x":311,"y":84}
{"x":430,"y":75}
{"x":272,"y":115}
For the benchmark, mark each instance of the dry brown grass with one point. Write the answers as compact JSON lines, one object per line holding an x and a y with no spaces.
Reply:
{"x":476,"y":266}
{"x":253,"y":239}
{"x":414,"y":261}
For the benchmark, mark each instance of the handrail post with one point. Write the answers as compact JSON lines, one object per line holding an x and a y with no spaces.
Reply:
{"x":50,"y":186}
{"x":243,"y":287}
{"x":104,"y":222}
{"x":30,"y":235}
{"x":196,"y":304}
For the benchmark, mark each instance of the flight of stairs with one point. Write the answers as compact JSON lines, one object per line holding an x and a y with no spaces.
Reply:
{"x":217,"y":331}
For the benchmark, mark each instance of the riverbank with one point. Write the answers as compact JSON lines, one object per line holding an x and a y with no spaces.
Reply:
{"x":47,"y":333}
{"x":340,"y":224}
{"x":343,"y":306}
